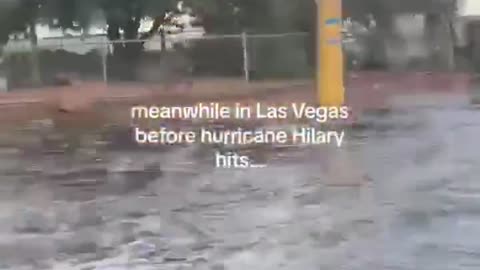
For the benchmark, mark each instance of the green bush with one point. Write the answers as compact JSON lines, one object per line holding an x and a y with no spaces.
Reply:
{"x":282,"y":57}
{"x":52,"y":64}
{"x":217,"y":57}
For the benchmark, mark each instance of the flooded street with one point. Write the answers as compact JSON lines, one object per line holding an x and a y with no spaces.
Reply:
{"x":414,"y":207}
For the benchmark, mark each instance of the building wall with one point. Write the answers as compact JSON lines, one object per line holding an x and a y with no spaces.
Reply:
{"x":413,"y":45}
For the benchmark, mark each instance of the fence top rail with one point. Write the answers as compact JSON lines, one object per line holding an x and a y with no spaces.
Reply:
{"x":62,"y":42}
{"x":202,"y":37}
{"x":85,"y":41}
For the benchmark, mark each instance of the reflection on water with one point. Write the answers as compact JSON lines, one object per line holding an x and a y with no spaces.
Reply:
{"x":165,"y":210}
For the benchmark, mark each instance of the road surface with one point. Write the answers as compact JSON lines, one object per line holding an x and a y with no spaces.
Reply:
{"x":414,"y":206}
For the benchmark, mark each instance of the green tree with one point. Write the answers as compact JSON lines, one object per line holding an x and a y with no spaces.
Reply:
{"x":233,"y":16}
{"x":121,"y":16}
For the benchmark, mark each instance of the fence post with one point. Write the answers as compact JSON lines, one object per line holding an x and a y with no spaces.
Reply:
{"x":104,"y":62}
{"x":246,"y":65}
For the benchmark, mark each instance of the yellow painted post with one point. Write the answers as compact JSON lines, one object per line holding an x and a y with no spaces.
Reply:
{"x":330,"y":86}
{"x":329,"y":80}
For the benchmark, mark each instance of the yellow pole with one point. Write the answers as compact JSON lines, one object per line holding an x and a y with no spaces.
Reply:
{"x":329,"y":79}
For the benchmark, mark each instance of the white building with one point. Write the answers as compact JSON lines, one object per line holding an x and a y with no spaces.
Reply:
{"x":95,"y":38}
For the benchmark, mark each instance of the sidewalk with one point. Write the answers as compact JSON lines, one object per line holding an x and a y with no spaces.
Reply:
{"x":365,"y":91}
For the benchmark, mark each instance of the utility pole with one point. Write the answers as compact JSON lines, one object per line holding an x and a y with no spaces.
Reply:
{"x":330,"y":87}
{"x":330,"y":65}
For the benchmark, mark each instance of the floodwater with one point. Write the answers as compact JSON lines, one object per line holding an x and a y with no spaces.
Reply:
{"x":412,"y":202}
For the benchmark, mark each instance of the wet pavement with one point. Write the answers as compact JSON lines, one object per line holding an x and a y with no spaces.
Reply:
{"x":414,"y":207}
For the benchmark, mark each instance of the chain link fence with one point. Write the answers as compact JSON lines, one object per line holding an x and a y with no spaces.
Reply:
{"x":53,"y":61}
{"x":250,"y":57}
